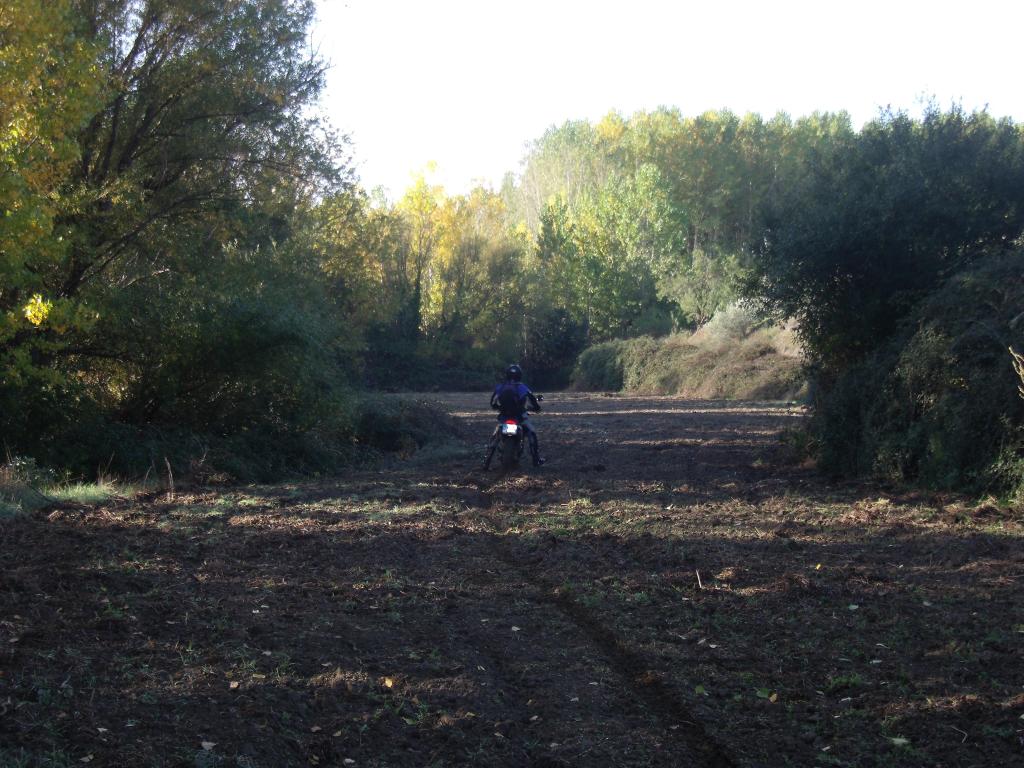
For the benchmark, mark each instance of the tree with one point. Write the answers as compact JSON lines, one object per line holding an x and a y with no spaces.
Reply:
{"x":192,"y":300}
{"x":49,"y":90}
{"x":565,"y":161}
{"x":704,"y":286}
{"x":473,"y":244}
{"x":205,"y":100}
{"x":878,"y":219}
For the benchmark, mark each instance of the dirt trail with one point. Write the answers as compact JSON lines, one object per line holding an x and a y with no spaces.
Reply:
{"x":667,"y":591}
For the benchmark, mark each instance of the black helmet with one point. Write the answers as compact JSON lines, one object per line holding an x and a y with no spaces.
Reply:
{"x":514,"y":373}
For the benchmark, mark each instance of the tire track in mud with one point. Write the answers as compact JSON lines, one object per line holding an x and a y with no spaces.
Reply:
{"x":623,"y":434}
{"x":680,"y":723}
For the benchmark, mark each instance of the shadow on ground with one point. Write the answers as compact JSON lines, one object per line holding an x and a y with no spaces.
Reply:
{"x":667,"y":591}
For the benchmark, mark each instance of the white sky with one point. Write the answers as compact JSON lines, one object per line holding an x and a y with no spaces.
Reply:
{"x":467,"y":83}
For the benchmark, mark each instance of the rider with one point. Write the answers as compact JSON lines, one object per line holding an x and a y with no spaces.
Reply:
{"x":510,"y":400}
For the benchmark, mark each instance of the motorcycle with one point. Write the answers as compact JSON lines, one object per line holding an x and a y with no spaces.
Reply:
{"x":509,"y":441}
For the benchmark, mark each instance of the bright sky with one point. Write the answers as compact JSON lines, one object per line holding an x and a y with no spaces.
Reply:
{"x":466,"y":84}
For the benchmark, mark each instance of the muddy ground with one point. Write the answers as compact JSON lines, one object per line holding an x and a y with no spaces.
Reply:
{"x":670,"y":590}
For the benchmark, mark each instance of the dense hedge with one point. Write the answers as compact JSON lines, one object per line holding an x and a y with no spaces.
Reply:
{"x":357,"y":429}
{"x":938,"y":404}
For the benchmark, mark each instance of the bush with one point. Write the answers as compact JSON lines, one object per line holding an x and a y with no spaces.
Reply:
{"x":600,"y":368}
{"x":938,"y":404}
{"x":401,"y":425}
{"x":553,"y":340}
{"x":347,"y":430}
{"x":883,"y":218}
{"x":726,"y":359}
{"x":19,"y":475}
{"x":730,"y":324}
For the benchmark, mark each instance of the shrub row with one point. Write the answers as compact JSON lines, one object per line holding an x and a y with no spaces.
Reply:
{"x":358,"y":430}
{"x":938,"y":404}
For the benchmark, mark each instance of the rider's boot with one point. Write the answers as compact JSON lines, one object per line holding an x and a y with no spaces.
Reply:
{"x":538,"y":460}
{"x":489,"y":453}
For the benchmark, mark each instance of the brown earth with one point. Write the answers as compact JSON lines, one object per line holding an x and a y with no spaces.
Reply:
{"x":667,"y":591}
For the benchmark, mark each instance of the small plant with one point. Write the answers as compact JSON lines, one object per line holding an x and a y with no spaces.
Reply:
{"x":733,"y":322}
{"x":801,"y":444}
{"x":8,"y":508}
{"x":284,"y":668}
{"x":418,"y":714}
{"x":23,"y":470}
{"x":19,"y":477}
{"x":844,"y":682}
{"x":22,"y":759}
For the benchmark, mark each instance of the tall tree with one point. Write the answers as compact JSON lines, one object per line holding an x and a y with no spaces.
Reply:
{"x":565,"y":161}
{"x":48,"y":91}
{"x":878,"y":219}
{"x":175,"y":218}
{"x":205,"y":100}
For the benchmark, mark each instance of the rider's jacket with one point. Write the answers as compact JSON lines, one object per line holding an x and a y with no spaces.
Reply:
{"x":510,"y":399}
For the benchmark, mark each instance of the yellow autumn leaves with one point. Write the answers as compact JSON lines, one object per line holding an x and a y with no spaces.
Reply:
{"x":37,"y":310}
{"x":59,"y":316}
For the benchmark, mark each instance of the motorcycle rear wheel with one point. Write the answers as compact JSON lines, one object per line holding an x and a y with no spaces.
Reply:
{"x":509,"y":453}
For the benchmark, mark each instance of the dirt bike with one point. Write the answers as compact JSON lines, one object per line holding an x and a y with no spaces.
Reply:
{"x":509,"y":441}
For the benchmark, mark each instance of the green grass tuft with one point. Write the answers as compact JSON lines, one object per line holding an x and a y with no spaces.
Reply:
{"x":85,"y":493}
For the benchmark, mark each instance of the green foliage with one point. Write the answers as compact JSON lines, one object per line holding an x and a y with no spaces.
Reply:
{"x":19,"y":476}
{"x":658,"y":210}
{"x":189,"y":301}
{"x":601,"y":368}
{"x":553,"y":340}
{"x":871,"y":249}
{"x":756,"y":364}
{"x":189,"y":276}
{"x":703,"y":287}
{"x":83,"y":493}
{"x":631,"y":227}
{"x":452,"y":292}
{"x":566,"y":161}
{"x":47,"y":94}
{"x":400,"y":424}
{"x":732,"y":323}
{"x":938,"y":403}
{"x":880,"y":218}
